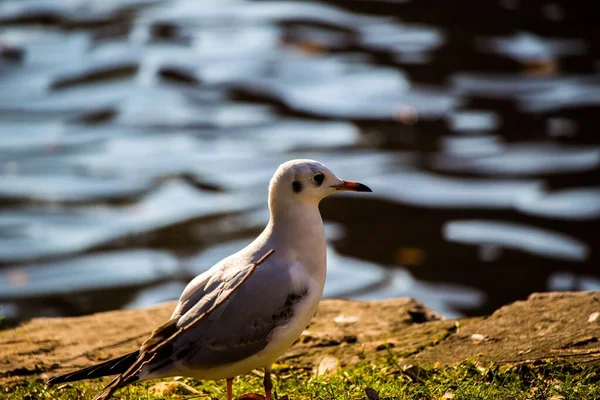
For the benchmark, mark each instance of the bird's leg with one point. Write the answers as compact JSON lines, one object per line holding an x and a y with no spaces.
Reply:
{"x":229,"y":388}
{"x":268,"y":384}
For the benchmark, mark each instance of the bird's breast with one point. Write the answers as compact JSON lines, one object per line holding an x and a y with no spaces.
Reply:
{"x":312,"y":287}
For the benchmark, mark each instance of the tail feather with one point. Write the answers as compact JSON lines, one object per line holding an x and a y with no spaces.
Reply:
{"x":115,"y":366}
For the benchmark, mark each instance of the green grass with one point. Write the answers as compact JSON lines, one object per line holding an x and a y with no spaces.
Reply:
{"x":466,"y":381}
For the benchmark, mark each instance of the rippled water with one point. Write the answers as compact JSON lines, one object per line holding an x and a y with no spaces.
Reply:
{"x":137,"y":138}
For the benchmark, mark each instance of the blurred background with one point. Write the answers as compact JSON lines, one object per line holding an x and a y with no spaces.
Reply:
{"x":137,"y":138}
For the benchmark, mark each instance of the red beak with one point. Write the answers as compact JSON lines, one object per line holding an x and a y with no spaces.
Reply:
{"x":354,"y":186}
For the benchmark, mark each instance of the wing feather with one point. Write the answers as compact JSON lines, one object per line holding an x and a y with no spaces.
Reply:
{"x":242,"y":324}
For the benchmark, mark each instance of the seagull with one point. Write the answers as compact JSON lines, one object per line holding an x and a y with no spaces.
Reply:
{"x":249,"y":308}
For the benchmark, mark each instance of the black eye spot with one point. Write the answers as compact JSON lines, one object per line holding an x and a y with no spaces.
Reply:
{"x":297,"y":186}
{"x":319,"y":178}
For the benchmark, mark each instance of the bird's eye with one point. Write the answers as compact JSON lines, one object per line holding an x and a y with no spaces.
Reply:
{"x":297,"y":186}
{"x":319,"y":178}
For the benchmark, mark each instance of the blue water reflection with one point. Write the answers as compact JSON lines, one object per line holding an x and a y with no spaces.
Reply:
{"x":137,"y":138}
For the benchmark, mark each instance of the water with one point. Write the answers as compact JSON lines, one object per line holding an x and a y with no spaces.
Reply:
{"x":137,"y":138}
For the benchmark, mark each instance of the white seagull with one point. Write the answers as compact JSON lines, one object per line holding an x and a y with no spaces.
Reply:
{"x":249,"y":308}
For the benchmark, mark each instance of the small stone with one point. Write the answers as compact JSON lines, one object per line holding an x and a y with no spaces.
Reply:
{"x":593,"y":317}
{"x":167,"y":388}
{"x":345,"y":320}
{"x":328,"y":365}
{"x":478,"y":337}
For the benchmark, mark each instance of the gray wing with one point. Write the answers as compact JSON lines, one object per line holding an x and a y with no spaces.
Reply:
{"x":240,"y":326}
{"x":210,"y":287}
{"x":193,"y":293}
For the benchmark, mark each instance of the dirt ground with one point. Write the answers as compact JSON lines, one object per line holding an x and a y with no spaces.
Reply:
{"x":564,"y":327}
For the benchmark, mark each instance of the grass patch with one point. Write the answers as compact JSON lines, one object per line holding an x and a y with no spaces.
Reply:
{"x":466,"y":381}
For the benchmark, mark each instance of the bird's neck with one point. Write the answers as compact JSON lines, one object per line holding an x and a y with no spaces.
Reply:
{"x":298,"y":228}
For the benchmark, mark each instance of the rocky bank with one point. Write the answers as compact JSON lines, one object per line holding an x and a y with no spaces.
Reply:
{"x":564,"y":327}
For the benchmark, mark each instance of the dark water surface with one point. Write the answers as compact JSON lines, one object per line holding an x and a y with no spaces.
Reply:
{"x":137,"y":138}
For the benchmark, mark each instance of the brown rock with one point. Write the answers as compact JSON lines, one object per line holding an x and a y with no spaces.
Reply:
{"x":547,"y":326}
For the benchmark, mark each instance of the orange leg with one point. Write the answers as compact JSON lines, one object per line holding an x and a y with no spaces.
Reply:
{"x":229,"y":388}
{"x":268,"y":384}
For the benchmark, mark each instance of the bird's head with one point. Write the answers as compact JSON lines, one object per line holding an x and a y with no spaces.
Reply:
{"x":308,"y":181}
